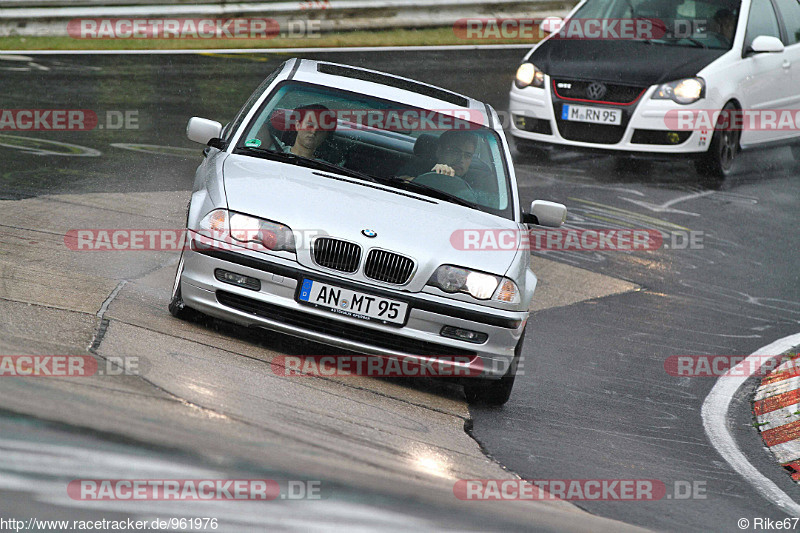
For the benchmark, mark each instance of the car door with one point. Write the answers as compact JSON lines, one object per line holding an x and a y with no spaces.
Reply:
{"x":789,"y":11}
{"x":768,"y":83}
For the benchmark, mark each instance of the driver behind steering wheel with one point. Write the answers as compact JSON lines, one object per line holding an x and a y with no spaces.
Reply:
{"x":453,"y":156}
{"x":454,"y":153}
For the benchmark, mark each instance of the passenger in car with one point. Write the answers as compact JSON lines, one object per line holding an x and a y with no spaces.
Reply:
{"x":314,"y":124}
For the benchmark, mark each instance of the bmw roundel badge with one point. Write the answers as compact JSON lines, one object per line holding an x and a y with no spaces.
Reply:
{"x":369,"y":233}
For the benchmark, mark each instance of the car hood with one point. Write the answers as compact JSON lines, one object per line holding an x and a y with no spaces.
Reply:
{"x":627,"y":62}
{"x":409,"y":224}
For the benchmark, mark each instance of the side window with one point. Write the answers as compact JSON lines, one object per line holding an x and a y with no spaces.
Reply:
{"x":762,"y":21}
{"x":233,"y":126}
{"x":790,"y":9}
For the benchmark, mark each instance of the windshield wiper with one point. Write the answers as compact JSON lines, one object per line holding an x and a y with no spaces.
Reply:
{"x":306,"y":162}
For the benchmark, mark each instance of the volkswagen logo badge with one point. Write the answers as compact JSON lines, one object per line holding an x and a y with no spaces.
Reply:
{"x":369,"y":233}
{"x":596,"y":91}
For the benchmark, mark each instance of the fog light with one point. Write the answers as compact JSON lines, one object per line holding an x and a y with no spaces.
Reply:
{"x":519,"y":122}
{"x":464,"y":335}
{"x":673,"y":137}
{"x":239,"y":280}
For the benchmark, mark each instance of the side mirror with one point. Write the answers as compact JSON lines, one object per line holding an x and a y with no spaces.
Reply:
{"x":544,"y":213}
{"x":551,"y":24}
{"x":202,"y":130}
{"x":766,"y":44}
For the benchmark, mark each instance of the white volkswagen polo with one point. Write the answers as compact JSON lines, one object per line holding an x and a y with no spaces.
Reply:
{"x":691,"y":78}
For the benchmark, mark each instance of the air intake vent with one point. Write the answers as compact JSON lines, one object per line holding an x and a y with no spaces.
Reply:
{"x":339,"y":255}
{"x":388,"y":267}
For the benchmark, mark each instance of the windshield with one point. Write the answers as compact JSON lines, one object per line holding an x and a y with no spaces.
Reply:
{"x":696,"y":23}
{"x":439,"y":154}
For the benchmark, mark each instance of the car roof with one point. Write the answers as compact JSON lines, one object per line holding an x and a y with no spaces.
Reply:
{"x":390,"y":87}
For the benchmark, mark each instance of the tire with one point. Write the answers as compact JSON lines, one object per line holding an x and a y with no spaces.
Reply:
{"x":718,"y":161}
{"x":177,"y":307}
{"x":495,"y":392}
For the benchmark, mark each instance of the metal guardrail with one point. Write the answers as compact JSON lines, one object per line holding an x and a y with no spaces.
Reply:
{"x":50,"y":17}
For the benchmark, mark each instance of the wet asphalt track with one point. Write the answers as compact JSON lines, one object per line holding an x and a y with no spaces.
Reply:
{"x":596,"y":401}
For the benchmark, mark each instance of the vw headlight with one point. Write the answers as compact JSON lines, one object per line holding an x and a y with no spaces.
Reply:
{"x":686,"y":91}
{"x":529,"y":75}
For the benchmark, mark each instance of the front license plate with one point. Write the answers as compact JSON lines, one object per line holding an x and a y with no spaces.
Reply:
{"x":595,"y":115}
{"x":351,"y":303}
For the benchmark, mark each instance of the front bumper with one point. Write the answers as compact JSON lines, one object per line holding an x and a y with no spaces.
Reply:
{"x":644,"y":129}
{"x":274,"y":307}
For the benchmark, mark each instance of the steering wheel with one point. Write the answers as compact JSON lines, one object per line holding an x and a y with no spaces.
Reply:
{"x":453,"y":185}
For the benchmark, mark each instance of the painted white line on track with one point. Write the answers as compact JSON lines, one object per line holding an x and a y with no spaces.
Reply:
{"x":715,"y":421}
{"x":442,"y":48}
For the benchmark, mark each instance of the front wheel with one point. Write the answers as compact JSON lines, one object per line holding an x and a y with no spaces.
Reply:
{"x":495,"y":392}
{"x":177,"y":307}
{"x":490,"y":392}
{"x":717,"y":162}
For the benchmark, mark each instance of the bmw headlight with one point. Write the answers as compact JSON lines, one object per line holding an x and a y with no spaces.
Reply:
{"x":271,"y":235}
{"x":529,"y":75}
{"x":218,"y":224}
{"x":686,"y":91}
{"x":453,"y":279}
{"x":215,"y":224}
